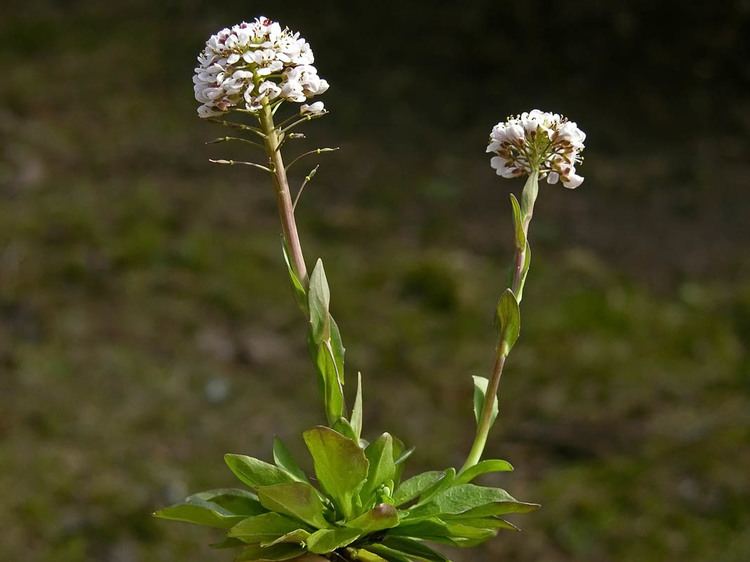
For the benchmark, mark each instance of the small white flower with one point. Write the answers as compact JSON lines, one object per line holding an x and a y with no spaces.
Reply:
{"x":314,"y":108}
{"x":235,"y":60}
{"x":538,"y":141}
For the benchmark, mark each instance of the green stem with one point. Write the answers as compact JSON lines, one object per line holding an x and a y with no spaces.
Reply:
{"x":283,"y":195}
{"x":484,"y":424}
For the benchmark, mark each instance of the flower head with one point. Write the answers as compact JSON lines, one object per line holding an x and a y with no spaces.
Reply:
{"x":252,"y":64}
{"x":538,"y":141}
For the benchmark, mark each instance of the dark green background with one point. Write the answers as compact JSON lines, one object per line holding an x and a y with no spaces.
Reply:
{"x":147,"y":327}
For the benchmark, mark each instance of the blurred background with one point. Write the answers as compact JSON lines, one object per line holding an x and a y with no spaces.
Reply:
{"x":147,"y":326}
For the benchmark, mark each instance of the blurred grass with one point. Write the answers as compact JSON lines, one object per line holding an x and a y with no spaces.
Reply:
{"x":146,"y":326}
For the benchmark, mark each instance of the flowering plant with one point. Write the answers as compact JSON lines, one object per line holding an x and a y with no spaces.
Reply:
{"x":357,"y":506}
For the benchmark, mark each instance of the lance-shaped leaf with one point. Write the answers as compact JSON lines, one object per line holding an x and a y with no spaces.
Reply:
{"x":382,"y":469}
{"x":382,"y":516}
{"x":443,"y":484}
{"x":254,"y":472}
{"x":453,"y":532}
{"x":490,"y":522}
{"x":524,"y":271}
{"x":296,"y":499}
{"x":356,"y":418}
{"x":345,"y":428}
{"x":284,"y":460}
{"x":337,"y":350}
{"x":400,"y":454}
{"x":529,"y":194}
{"x":200,"y":512}
{"x":472,"y":500}
{"x":495,"y":509}
{"x":412,"y":488}
{"x":298,"y":536}
{"x":328,"y":540}
{"x":367,"y":556}
{"x":239,"y":502}
{"x":263,"y":528}
{"x":333,"y":394}
{"x":509,"y":321}
{"x":480,"y":391}
{"x":319,"y":300}
{"x":483,"y":467}
{"x":414,"y":548}
{"x":340,"y":465}
{"x":258,"y":553}
{"x":520,"y":235}
{"x":300,"y":295}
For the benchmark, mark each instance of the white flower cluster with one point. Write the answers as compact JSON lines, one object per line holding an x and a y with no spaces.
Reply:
{"x":253,"y":62}
{"x":541,"y":141}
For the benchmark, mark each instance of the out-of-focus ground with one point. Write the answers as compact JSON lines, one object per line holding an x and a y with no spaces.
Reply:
{"x":146,"y":324}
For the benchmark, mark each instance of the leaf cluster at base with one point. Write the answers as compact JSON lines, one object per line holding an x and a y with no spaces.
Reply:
{"x":358,"y":509}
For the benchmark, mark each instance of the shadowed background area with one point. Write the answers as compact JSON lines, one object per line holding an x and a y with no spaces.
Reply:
{"x":147,"y":326}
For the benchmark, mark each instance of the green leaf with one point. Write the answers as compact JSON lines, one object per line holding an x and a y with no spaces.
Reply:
{"x":200,"y":512}
{"x":475,"y":501}
{"x":411,"y":489}
{"x":319,"y":300}
{"x":328,"y":540}
{"x":343,"y":426}
{"x":239,"y":502}
{"x":413,"y":548}
{"x":524,"y":271}
{"x":483,"y":467}
{"x":446,"y":532}
{"x":297,"y":536}
{"x":337,"y":350}
{"x":296,"y":499}
{"x":367,"y":556}
{"x":382,"y":516}
{"x":509,"y":318}
{"x":262,"y":528}
{"x":400,"y":454}
{"x":356,"y":418}
{"x":253,"y":472}
{"x":501,"y":508}
{"x":340,"y":465}
{"x":518,"y":223}
{"x":256,"y":552}
{"x":529,"y":194}
{"x":389,"y":554}
{"x":480,"y":391}
{"x":283,"y":459}
{"x":333,"y":394}
{"x":382,"y":469}
{"x":482,"y":522}
{"x":442,"y":484}
{"x":300,"y":295}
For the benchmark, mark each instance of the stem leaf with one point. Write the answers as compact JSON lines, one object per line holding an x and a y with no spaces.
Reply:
{"x":509,"y":320}
{"x":480,"y":391}
{"x":518,"y":223}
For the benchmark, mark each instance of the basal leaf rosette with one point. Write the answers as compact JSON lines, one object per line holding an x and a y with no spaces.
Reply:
{"x":356,"y":508}
{"x":249,"y":63}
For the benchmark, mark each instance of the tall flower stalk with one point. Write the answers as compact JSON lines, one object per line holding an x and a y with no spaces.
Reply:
{"x":537,"y":144}
{"x":358,"y":507}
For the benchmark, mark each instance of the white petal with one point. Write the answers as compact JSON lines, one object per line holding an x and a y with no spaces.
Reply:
{"x":572,"y":181}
